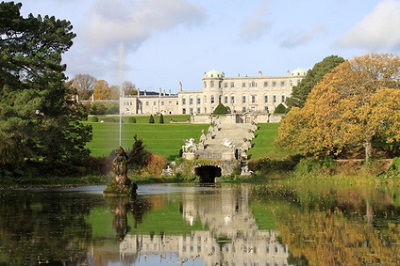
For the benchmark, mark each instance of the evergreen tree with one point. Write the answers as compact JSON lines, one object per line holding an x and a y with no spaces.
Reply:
{"x":138,"y":155}
{"x":161,"y":119}
{"x":151,"y":119}
{"x":280,"y":109}
{"x":313,"y":76}
{"x":220,"y":110}
{"x":39,"y":117}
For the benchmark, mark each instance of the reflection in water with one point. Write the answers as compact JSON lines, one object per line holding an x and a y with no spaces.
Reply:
{"x":231,"y":238}
{"x":228,"y":225}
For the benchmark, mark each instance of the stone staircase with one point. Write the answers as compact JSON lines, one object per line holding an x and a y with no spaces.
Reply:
{"x":225,"y":142}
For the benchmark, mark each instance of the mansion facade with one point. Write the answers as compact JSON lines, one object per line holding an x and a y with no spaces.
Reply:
{"x":241,"y":94}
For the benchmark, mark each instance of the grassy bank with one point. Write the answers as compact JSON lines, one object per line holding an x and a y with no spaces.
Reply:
{"x":167,"y":139}
{"x":162,"y":139}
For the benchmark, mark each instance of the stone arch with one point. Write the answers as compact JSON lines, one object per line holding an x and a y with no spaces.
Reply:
{"x":207,"y":173}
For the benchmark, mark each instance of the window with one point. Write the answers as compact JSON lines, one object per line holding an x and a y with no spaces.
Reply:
{"x":225,"y":84}
{"x":226,"y":99}
{"x":244,"y":99}
{"x":183,"y":101}
{"x":253,"y":84}
{"x":212,"y":98}
{"x":273,"y":83}
{"x":298,"y":82}
{"x":162,"y":102}
{"x":243,"y":84}
{"x":253,"y":99}
{"x":274,"y":98}
{"x":266,"y":98}
{"x":283,"y":98}
{"x":282,"y":84}
{"x":232,"y":99}
{"x":198,"y":100}
{"x":191,"y":111}
{"x":184,"y":111}
{"x":147,"y":103}
{"x":212,"y":84}
{"x":154,"y":103}
{"x":265,"y":84}
{"x":198,"y":110}
{"x":232,"y":85}
{"x":190,"y":101}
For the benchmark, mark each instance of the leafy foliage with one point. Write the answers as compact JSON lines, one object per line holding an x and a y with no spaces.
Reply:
{"x":280,"y":109}
{"x":313,"y":76}
{"x":155,"y":164}
{"x":221,"y":110}
{"x":353,"y":107}
{"x":39,"y":118}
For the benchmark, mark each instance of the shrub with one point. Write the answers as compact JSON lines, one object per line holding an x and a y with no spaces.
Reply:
{"x":161,"y":119}
{"x":93,"y":119}
{"x":112,"y":108}
{"x":97,"y":109}
{"x":221,"y":110}
{"x":132,"y":120}
{"x":155,"y":164}
{"x":151,"y":119}
{"x":280,"y":109}
{"x":109,"y":119}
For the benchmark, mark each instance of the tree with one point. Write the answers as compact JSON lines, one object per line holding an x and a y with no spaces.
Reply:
{"x":151,"y":119}
{"x":313,"y":76}
{"x":280,"y":109}
{"x":138,"y":155}
{"x":354,"y":107}
{"x":84,"y":84}
{"x":114,"y":93}
{"x":161,"y":119}
{"x":39,"y":117}
{"x":102,"y":90}
{"x":220,"y":110}
{"x":129,"y":88}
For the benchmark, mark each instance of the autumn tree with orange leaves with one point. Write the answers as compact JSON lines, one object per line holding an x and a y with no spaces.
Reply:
{"x":354,"y":112}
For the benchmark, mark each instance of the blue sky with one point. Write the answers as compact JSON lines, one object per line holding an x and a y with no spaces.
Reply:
{"x":159,"y":43}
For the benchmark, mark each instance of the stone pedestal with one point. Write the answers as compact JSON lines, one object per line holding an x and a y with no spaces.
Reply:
{"x":189,"y":156}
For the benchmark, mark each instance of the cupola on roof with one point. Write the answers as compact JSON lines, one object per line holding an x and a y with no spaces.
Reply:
{"x":213,"y":74}
{"x":298,"y":72}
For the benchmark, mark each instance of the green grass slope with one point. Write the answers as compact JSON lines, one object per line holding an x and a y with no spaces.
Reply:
{"x":167,"y":139}
{"x":162,"y":139}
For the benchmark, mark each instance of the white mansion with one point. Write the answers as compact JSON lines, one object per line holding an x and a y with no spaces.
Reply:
{"x":241,"y":94}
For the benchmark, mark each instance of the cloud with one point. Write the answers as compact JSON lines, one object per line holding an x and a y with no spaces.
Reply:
{"x":257,"y":25}
{"x":302,"y":38}
{"x":378,"y":30}
{"x":134,"y":21}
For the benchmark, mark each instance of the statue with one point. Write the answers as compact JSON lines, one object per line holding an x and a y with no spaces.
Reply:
{"x":189,"y":144}
{"x":120,"y":169}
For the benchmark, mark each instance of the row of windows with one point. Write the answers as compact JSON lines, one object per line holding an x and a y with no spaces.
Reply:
{"x":147,"y":103}
{"x":198,"y":110}
{"x":253,"y":99}
{"x":251,"y":84}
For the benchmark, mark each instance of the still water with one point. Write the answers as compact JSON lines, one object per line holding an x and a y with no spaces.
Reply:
{"x":198,"y":225}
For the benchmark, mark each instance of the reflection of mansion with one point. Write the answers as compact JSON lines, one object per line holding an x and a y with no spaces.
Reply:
{"x":232,"y":236}
{"x":241,"y":94}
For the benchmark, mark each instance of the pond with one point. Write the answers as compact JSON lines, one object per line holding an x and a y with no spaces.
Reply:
{"x":168,"y":224}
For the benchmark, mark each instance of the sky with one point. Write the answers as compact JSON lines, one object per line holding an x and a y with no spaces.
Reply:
{"x":159,"y":43}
